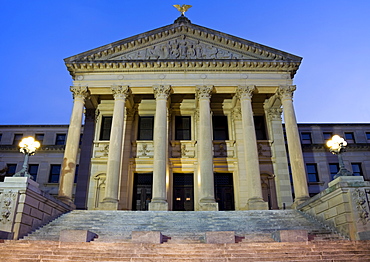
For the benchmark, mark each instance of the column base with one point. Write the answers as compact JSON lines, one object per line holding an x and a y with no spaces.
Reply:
{"x":158,"y":206}
{"x":109,"y":204}
{"x":257,"y":204}
{"x":208,"y":206}
{"x":67,"y":200}
{"x":299,"y":200}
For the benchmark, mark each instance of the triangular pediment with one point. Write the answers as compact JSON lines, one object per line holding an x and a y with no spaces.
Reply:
{"x":183,"y":44}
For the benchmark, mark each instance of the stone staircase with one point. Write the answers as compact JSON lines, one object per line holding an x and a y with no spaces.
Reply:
{"x":52,"y":251}
{"x":184,"y":227}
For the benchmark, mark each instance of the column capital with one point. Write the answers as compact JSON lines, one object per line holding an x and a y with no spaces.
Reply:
{"x":245,"y":92}
{"x":120,"y":92}
{"x":162,"y":91}
{"x":286,"y":92}
{"x":274,"y":113}
{"x":80,"y":92}
{"x":203,"y":91}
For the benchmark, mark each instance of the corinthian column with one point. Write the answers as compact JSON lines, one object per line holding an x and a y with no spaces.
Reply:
{"x":255,"y":199}
{"x":205,"y":159}
{"x":294,"y":145}
{"x":159,"y":194}
{"x":67,"y":175}
{"x":279,"y":155}
{"x":110,"y":200}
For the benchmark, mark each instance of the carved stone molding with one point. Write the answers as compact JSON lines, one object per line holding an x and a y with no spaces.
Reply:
{"x":274,"y":113}
{"x":161,"y":91}
{"x":8,"y":205}
{"x":120,"y":92}
{"x":245,"y":92}
{"x":362,"y":205}
{"x":286,"y":92}
{"x":204,"y":91}
{"x":79,"y":92}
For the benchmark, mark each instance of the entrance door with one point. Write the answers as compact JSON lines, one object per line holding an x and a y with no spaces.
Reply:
{"x":224,"y":191}
{"x":142,"y":191}
{"x":183,"y":192}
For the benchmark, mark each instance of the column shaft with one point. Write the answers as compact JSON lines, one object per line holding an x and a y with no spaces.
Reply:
{"x":205,"y":158}
{"x":111,"y":197}
{"x":294,"y":145}
{"x":255,"y":200}
{"x":67,"y":176}
{"x":159,"y":194}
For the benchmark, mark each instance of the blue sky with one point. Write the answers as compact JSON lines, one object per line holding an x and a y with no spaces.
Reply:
{"x":333,"y":37}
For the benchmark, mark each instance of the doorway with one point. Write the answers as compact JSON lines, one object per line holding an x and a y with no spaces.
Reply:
{"x":224,"y":191}
{"x":142,"y":193}
{"x":183,"y":192}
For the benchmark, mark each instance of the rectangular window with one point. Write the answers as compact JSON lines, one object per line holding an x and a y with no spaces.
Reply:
{"x":54,"y":173}
{"x":60,"y":139}
{"x":259,"y":126}
{"x":1,"y":136}
{"x":182,"y":128}
{"x":334,"y":169}
{"x":17,"y":139}
{"x":327,"y":136}
{"x":356,"y":169}
{"x":312,"y":173}
{"x":368,"y":137}
{"x":9,"y":171}
{"x":33,"y":169}
{"x":39,"y":138}
{"x":306,"y":138}
{"x":106,"y":125}
{"x":220,"y":128}
{"x":349,"y":137}
{"x":146,"y":125}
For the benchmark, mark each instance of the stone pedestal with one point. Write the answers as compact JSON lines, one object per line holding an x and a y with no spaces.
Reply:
{"x":220,"y":237}
{"x":344,"y":205}
{"x":290,"y":235}
{"x":24,"y":207}
{"x":149,"y":237}
{"x":76,"y":236}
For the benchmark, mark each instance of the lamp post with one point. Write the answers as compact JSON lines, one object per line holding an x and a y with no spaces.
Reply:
{"x":28,"y":147}
{"x":337,"y":145}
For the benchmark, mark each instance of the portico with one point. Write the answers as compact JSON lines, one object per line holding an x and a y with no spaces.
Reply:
{"x":186,"y":118}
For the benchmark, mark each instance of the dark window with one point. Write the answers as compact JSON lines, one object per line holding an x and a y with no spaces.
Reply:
{"x":334,"y":168}
{"x":368,"y":136}
{"x":306,"y":138}
{"x":106,"y":125}
{"x":60,"y":139}
{"x":11,"y":168}
{"x":356,"y":169}
{"x":312,"y":173}
{"x":17,"y":139}
{"x":220,"y":128}
{"x":327,"y":136}
{"x":39,"y":138}
{"x":349,"y":137}
{"x":9,"y":171}
{"x":183,"y":128}
{"x":33,"y":169}
{"x":1,"y":136}
{"x":54,"y":173}
{"x":146,"y":124}
{"x":259,"y":125}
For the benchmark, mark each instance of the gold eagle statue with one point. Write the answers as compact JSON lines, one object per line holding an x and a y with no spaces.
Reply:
{"x":183,"y":8}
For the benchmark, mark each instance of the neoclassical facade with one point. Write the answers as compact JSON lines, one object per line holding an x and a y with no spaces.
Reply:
{"x":184,"y":118}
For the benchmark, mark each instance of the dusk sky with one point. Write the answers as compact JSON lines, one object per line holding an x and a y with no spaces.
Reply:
{"x":332,"y":36}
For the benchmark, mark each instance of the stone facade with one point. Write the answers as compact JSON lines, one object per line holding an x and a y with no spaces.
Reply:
{"x":184,"y":118}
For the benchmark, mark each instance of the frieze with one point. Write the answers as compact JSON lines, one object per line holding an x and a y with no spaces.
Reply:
{"x":181,"y":48}
{"x":8,"y":204}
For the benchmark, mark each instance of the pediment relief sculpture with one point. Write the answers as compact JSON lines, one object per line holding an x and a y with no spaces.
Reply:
{"x":180,"y":48}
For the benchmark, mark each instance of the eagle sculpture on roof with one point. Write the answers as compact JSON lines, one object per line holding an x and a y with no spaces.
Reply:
{"x":183,"y":8}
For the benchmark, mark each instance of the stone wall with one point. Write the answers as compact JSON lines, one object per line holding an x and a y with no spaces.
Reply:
{"x":344,"y":205}
{"x":24,"y":207}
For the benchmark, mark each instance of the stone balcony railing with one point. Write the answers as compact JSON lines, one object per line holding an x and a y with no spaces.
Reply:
{"x":183,"y":149}
{"x":224,"y":148}
{"x":143,"y":149}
